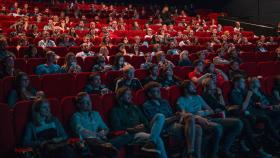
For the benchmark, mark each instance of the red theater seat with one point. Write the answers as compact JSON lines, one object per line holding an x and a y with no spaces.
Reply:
{"x":141,"y":74}
{"x":88,"y":63}
{"x":108,"y":101}
{"x":266,"y":68}
{"x":111,"y":78}
{"x":7,"y":132}
{"x":22,"y":115}
{"x":174,"y":93}
{"x":68,"y":108}
{"x":58,"y":85}
{"x":20,"y":64}
{"x":226,"y":88}
{"x":250,"y":68}
{"x":33,"y":63}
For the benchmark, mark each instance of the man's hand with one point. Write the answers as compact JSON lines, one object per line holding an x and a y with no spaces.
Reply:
{"x":202,"y":121}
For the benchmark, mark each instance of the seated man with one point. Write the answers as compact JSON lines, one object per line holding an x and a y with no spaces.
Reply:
{"x":85,"y":51}
{"x":154,"y":75}
{"x":197,"y":75}
{"x":50,"y":67}
{"x":128,"y":79}
{"x":101,"y":65}
{"x":250,"y":110}
{"x":180,"y":125}
{"x":94,"y":85}
{"x":88,"y":125}
{"x":46,"y":41}
{"x":148,"y":61}
{"x":220,"y":59}
{"x":193,"y":103}
{"x":128,"y":117}
{"x":234,"y":70}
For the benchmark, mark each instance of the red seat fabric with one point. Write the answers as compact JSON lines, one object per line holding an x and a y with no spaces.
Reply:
{"x":250,"y":68}
{"x":22,"y":115}
{"x":266,"y":68}
{"x":20,"y":64}
{"x":108,"y":101}
{"x":88,"y":63}
{"x":111,"y":78}
{"x":81,"y":81}
{"x":136,"y":61}
{"x":141,"y":74}
{"x":174,"y":93}
{"x":68,"y":108}
{"x":58,"y":85}
{"x":1,"y":92}
{"x":8,"y":83}
{"x":33,"y":63}
{"x":226,"y":88}
{"x":60,"y":51}
{"x":7,"y":132}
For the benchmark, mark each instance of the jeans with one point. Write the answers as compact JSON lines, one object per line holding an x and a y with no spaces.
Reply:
{"x":187,"y":132}
{"x":229,"y":128}
{"x":157,"y":124}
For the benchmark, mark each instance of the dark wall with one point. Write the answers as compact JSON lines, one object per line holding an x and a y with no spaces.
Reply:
{"x":259,"y":11}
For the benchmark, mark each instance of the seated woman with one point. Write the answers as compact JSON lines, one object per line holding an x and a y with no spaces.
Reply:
{"x":22,"y":90}
{"x":46,"y":133}
{"x":148,"y":61}
{"x":218,"y":75}
{"x":89,"y":125}
{"x":100,"y":65}
{"x":276,"y":90}
{"x":70,"y":64}
{"x":184,"y":59}
{"x":128,"y":79}
{"x":173,"y":50}
{"x":119,"y":62}
{"x":162,"y":61}
{"x":94,"y":85}
{"x":234,"y":70}
{"x":212,"y":95}
{"x":154,"y":75}
{"x":103,"y":51}
{"x":8,"y":68}
{"x":167,"y":77}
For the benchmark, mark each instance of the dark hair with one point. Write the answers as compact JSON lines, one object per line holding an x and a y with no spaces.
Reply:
{"x":152,"y":67}
{"x":35,"y":111}
{"x":151,"y":85}
{"x":276,"y":81}
{"x":237,"y":78}
{"x":17,"y":82}
{"x":92,"y":76}
{"x":79,"y":97}
{"x":120,"y":92}
{"x":28,"y":52}
{"x":196,"y":62}
{"x":185,"y":85}
{"x":117,"y":58}
{"x":67,"y":57}
{"x":234,"y":61}
{"x":100,"y":58}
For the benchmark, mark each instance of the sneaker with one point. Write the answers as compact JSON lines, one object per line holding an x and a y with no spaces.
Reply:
{"x":264,"y":154}
{"x":150,"y":147}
